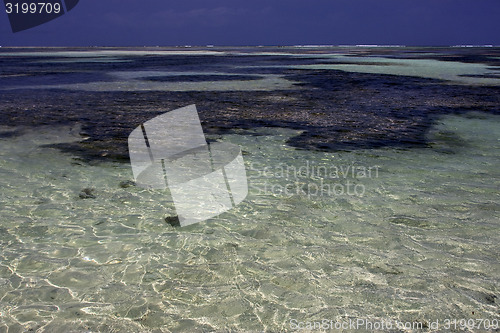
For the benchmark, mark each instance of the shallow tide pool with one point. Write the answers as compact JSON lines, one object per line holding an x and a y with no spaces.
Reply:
{"x":408,"y":235}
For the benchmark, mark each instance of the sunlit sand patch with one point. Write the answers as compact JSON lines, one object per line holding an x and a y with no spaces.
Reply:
{"x":137,"y":75}
{"x":108,"y":53}
{"x":427,"y":68}
{"x":70,"y":60}
{"x":131,"y":81}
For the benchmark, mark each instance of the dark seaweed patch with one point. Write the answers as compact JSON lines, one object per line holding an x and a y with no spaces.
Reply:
{"x":485,"y":76}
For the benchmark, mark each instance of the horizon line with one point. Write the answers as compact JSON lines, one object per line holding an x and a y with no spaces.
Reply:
{"x":261,"y":46}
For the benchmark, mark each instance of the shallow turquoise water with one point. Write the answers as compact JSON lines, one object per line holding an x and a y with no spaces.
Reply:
{"x":376,"y":234}
{"x":417,"y":242}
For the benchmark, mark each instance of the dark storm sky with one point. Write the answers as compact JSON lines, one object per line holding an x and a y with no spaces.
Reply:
{"x":265,"y":22}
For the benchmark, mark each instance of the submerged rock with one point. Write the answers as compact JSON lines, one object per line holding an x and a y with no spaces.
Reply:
{"x":87,"y":193}
{"x":127,"y":183}
{"x":173,"y":221}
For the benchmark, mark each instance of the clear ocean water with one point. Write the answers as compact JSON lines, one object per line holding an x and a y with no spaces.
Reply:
{"x":376,"y":230}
